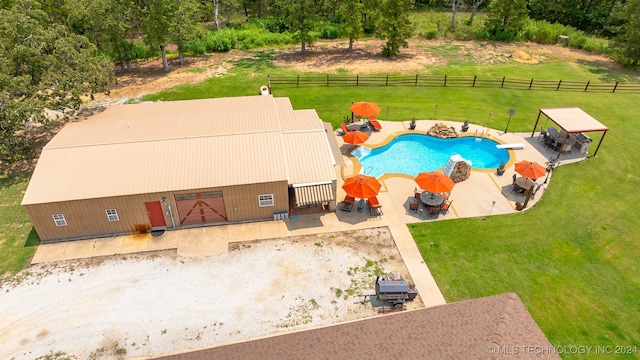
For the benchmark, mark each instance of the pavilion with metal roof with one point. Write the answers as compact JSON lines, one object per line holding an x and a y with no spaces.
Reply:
{"x":572,"y":120}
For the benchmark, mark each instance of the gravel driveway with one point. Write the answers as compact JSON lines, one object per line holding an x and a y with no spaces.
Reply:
{"x":157,"y":303}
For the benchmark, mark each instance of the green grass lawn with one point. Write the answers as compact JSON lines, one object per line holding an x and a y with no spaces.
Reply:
{"x":572,"y":258}
{"x":18,"y":240}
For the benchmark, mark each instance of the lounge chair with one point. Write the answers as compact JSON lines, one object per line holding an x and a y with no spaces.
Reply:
{"x":375,"y":124}
{"x":375,"y":209}
{"x":347,"y":203}
{"x":344,"y":128}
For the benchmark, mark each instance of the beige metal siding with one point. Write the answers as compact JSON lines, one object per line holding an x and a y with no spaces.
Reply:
{"x":87,"y":218}
{"x":241,"y":202}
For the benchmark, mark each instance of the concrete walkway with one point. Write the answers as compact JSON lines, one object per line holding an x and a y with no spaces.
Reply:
{"x":483,"y":194}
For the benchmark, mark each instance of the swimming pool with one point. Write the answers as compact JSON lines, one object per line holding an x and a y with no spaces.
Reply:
{"x":412,"y":154}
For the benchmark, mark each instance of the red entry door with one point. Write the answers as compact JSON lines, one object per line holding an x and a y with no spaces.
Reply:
{"x":156,"y":215}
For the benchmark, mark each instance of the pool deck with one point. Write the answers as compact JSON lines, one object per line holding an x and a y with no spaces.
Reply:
{"x":473,"y":197}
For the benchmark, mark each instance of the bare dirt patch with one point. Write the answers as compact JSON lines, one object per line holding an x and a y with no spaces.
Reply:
{"x":330,"y":56}
{"x":151,"y":304}
{"x":147,"y":77}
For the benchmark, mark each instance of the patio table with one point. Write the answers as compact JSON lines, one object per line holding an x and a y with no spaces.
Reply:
{"x":524,"y":183}
{"x":431,"y":199}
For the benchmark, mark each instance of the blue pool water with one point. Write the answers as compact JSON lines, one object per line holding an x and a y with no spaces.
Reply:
{"x":412,"y":154}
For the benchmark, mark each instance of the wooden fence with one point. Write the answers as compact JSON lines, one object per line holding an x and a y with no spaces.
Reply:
{"x":445,"y":80}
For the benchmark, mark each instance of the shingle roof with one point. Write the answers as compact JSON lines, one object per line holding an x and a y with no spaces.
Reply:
{"x":471,"y":329}
{"x":167,"y":146}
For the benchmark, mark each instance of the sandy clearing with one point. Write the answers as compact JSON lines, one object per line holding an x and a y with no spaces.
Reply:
{"x":153,"y":304}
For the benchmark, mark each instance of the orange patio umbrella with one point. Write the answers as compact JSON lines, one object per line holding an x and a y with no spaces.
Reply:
{"x":355,"y":137}
{"x":365,"y":108}
{"x":361,"y":186}
{"x":530,"y":169}
{"x":434,"y":182}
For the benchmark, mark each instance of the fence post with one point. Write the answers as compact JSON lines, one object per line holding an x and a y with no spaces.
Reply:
{"x":269,"y":83}
{"x":387,"y":81}
{"x":615,"y":87}
{"x":586,"y":87}
{"x":474,"y":80}
{"x":327,"y":79}
{"x":531,"y":83}
{"x":357,"y":80}
{"x":504,"y":77}
{"x":298,"y":85}
{"x":559,"y":82}
{"x":416,"y":79}
{"x":445,"y":80}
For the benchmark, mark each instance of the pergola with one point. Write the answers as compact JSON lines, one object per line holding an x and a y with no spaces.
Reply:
{"x":572,"y":120}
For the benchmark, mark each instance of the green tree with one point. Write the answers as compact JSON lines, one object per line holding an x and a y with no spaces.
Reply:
{"x":158,"y":19}
{"x":301,"y":17}
{"x":506,"y":18}
{"x":45,"y":70}
{"x":351,"y":13}
{"x":627,"y":39}
{"x":186,"y":25}
{"x":107,"y":23}
{"x":395,"y":26}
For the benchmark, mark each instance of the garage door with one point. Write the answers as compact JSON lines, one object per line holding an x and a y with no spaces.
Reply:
{"x":201,"y":208}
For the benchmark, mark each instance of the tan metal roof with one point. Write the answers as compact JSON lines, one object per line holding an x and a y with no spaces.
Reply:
{"x":306,"y":154}
{"x":573,"y":119}
{"x":165,"y":146}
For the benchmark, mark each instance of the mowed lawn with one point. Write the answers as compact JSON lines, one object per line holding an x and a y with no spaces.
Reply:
{"x":572,"y":258}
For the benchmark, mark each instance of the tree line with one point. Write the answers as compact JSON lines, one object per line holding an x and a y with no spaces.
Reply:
{"x":55,"y":52}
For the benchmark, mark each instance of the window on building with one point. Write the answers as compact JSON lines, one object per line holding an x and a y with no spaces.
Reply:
{"x":112,"y":215}
{"x":265,"y":200}
{"x":59,"y":219}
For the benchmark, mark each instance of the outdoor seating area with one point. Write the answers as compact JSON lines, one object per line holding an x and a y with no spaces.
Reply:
{"x":434,"y":197}
{"x":365,"y":188}
{"x":497,"y":194}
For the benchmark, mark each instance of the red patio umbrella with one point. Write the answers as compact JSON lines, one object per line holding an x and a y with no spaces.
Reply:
{"x":365,"y":108}
{"x":362,"y":186}
{"x":355,"y":137}
{"x":434,"y":182}
{"x":530,"y":169}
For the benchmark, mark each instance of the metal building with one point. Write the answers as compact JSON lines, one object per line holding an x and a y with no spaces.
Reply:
{"x":167,"y":165}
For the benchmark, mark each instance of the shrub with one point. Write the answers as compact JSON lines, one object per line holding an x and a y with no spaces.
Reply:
{"x":196,"y":47}
{"x":329,"y":31}
{"x":220,"y":41}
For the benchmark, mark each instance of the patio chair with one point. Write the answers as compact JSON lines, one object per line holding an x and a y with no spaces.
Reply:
{"x":375,"y":209}
{"x":413,"y":206}
{"x":344,"y":128}
{"x":347,"y":203}
{"x":375,"y":125}
{"x":444,"y":208}
{"x":434,"y":211}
